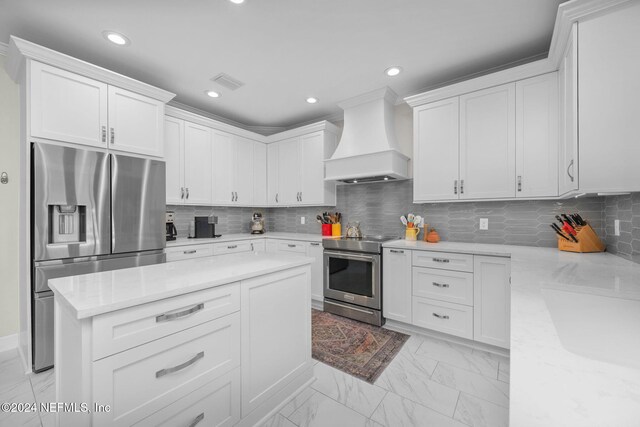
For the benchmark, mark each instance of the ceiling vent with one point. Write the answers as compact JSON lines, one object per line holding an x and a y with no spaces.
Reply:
{"x":225,"y":80}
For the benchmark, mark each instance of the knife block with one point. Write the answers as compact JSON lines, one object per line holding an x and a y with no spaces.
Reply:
{"x":588,"y":241}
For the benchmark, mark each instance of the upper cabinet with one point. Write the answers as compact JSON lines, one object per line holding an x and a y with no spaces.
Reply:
{"x":68,"y":107}
{"x":233,"y":166}
{"x":608,"y":91}
{"x":568,"y":91}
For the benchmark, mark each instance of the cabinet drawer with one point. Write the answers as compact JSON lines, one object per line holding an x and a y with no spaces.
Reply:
{"x":259,"y":245}
{"x":232,"y":247}
{"x":216,"y":404}
{"x":292,"y":246}
{"x":141,"y":381}
{"x":443,"y":285}
{"x":124,"y":329}
{"x":454,"y":319}
{"x":188,"y":252}
{"x":443,"y":260}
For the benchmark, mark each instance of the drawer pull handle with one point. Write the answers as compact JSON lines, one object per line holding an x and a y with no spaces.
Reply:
{"x":440,"y":285}
{"x":232,"y":247}
{"x":440,"y":316}
{"x":167,"y":371}
{"x":196,"y":420}
{"x":394,"y":251}
{"x":173,"y":316}
{"x":192,"y":251}
{"x":291,"y":246}
{"x":315,"y":244}
{"x":444,"y":260}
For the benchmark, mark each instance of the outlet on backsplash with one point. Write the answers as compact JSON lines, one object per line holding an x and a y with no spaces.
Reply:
{"x":302,"y":220}
{"x":616,"y":227}
{"x":484,"y":223}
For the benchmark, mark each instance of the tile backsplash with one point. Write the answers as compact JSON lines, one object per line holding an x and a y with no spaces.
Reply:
{"x":626,"y":209}
{"x":230,"y":220}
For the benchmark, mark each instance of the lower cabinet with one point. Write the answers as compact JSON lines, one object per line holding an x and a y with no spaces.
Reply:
{"x":179,"y":253}
{"x":492,"y":300}
{"x":396,"y":292}
{"x":316,"y":251}
{"x":454,"y":319}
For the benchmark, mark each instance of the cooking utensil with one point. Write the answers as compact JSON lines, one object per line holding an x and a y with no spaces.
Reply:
{"x":410,"y":218}
{"x":404,"y":221}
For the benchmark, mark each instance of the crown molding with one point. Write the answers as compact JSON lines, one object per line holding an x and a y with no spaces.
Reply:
{"x":3,"y":48}
{"x":21,"y":50}
{"x":385,"y":93}
{"x":303,"y":130}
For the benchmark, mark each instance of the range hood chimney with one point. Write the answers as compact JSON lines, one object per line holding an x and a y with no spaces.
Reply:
{"x":368,"y":151}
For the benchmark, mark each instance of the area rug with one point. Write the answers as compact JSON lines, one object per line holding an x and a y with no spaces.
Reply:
{"x":356,"y":348}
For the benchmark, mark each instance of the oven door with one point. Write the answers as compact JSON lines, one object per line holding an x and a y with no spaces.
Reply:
{"x":352,"y":277}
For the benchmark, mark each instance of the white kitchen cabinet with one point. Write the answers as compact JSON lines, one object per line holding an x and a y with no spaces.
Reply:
{"x":568,"y":167}
{"x":443,"y":285}
{"x":537,"y":136}
{"x":197,"y":164}
{"x":436,"y":151}
{"x":396,"y":276}
{"x":67,"y":107}
{"x":273,"y":154}
{"x":492,"y":300}
{"x":452,"y":319}
{"x":314,"y":190}
{"x":258,"y":245}
{"x":136,"y":123}
{"x":243,"y":171}
{"x":609,"y":111}
{"x":269,"y":361}
{"x":259,"y":174}
{"x":233,"y":174}
{"x":316,"y":251}
{"x":487,"y":143}
{"x":174,"y":163}
{"x":289,"y":171}
{"x":179,"y":253}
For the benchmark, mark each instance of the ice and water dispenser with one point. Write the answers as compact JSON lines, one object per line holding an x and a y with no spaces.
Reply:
{"x":67,"y":224}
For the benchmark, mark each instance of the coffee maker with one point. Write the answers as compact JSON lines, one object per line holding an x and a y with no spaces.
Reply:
{"x":205,"y":227}
{"x":172,"y":233}
{"x":257,"y":223}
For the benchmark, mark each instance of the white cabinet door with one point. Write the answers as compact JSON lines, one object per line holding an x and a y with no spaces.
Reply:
{"x":274,"y":349}
{"x":436,"y":151}
{"x":224,"y":158}
{"x":259,"y":174}
{"x":537,"y":136}
{"x":568,"y":88}
{"x":315,"y":251}
{"x":289,"y":171}
{"x":608,"y":97}
{"x":197,"y":160}
{"x":396,"y":276}
{"x":492,"y":300}
{"x":136,"y":123}
{"x":174,"y":159}
{"x":311,"y":184}
{"x":273,"y":198}
{"x":487,"y":143}
{"x":67,"y":107}
{"x":243,"y":165}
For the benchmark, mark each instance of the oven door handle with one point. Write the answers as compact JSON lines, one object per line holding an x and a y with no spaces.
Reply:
{"x":351,"y":255}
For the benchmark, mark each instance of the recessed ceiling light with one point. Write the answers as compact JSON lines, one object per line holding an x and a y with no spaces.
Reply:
{"x":237,"y":1}
{"x":116,"y":38}
{"x":312,"y":100}
{"x":393,"y":71}
{"x":212,"y":94}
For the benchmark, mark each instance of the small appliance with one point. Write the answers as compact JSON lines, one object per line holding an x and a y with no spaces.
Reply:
{"x":205,"y":227}
{"x":172,"y":233}
{"x":257,"y":223}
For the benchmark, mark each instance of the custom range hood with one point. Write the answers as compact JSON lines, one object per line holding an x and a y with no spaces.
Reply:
{"x":368,"y":151}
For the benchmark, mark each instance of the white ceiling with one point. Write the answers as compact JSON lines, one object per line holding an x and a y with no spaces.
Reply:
{"x":287,"y":50}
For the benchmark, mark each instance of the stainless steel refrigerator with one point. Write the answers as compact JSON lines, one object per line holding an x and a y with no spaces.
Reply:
{"x":90,"y":212}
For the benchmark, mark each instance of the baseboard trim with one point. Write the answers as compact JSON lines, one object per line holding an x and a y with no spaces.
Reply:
{"x":8,"y":342}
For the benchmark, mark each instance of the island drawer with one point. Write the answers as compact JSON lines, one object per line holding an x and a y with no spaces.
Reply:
{"x":187,"y":252}
{"x":454,"y":319}
{"x":124,"y":329}
{"x":215,"y":404}
{"x":292,"y":246}
{"x":144,"y":380}
{"x":443,"y":260}
{"x":232,"y":247}
{"x":443,"y":285}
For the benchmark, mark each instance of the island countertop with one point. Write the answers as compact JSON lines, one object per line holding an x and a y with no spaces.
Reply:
{"x":575,"y":334}
{"x":97,"y":293}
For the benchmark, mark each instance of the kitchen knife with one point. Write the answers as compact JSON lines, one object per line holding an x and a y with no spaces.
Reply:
{"x":578,"y":218}
{"x":569,"y":220}
{"x":569,"y":229}
{"x":559,"y":220}
{"x":559,"y":233}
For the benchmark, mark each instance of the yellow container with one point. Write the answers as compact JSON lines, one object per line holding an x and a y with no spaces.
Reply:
{"x":336,"y":230}
{"x":411,"y":233}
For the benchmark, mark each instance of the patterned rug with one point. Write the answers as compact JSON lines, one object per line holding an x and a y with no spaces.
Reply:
{"x":356,"y":348}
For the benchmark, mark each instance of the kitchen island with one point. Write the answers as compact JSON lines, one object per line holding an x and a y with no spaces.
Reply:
{"x":218,"y":340}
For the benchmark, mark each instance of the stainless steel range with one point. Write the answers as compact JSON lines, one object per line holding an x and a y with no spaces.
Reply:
{"x":353,"y":277}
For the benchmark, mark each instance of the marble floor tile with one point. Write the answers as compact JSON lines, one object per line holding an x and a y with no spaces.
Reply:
{"x":460,"y":356}
{"x":297,"y":401}
{"x":477,"y":412}
{"x":396,"y":411}
{"x":412,"y":344}
{"x":322,"y":411}
{"x":475,"y":384}
{"x":11,"y":370}
{"x":408,"y":376}
{"x":504,"y":377}
{"x":348,"y":390}
{"x":493,"y":356}
{"x":44,"y":386}
{"x":18,"y":392}
{"x":278,"y":420}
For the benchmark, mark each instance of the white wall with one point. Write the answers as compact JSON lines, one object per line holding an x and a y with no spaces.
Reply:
{"x":9,"y":162}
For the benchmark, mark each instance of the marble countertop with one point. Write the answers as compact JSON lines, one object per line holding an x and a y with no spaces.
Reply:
{"x":185,"y":241}
{"x":575,"y":335}
{"x":97,"y":293}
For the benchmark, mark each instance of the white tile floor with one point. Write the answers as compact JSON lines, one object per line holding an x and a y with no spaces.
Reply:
{"x":429,"y":383}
